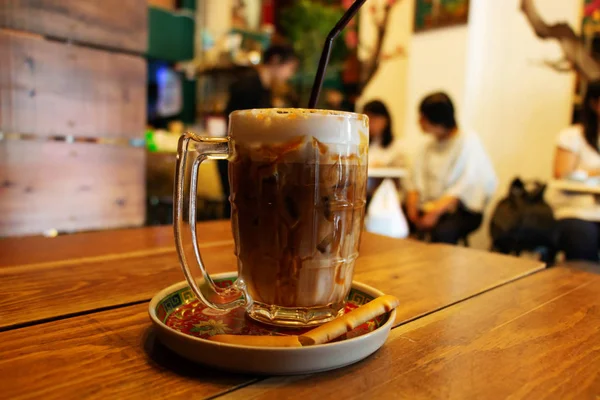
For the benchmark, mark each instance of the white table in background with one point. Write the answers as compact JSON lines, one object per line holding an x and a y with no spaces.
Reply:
{"x":377,"y":172}
{"x":589,"y":187}
{"x":377,"y":175}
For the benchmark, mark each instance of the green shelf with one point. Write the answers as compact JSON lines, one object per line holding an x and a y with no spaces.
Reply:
{"x":170,"y":34}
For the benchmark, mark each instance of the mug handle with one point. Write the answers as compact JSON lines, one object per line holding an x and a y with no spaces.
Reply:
{"x":213,"y":296}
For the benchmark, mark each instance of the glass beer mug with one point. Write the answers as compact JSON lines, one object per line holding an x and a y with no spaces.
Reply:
{"x":298,"y":192}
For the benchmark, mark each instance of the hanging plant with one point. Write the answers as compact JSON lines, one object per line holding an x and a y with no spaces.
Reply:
{"x":306,"y":24}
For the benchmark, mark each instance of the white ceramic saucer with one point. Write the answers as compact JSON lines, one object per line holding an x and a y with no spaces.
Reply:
{"x":183,"y":323}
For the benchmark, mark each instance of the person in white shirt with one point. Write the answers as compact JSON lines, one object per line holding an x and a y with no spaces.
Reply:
{"x":578,"y":157}
{"x":384,"y":151}
{"x":452,"y":178}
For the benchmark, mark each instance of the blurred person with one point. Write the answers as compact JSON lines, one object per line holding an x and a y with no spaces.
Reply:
{"x":254,"y":89}
{"x":452,"y":178}
{"x":335,"y":97}
{"x":384,"y":211}
{"x":336,"y":100}
{"x":384,"y":151}
{"x":577,"y":157}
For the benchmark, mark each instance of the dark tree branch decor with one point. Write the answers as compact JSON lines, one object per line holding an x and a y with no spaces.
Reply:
{"x":574,"y":51}
{"x":370,"y":65}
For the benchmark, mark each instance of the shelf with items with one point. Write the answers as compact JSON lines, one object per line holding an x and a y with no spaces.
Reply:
{"x":171,"y":99}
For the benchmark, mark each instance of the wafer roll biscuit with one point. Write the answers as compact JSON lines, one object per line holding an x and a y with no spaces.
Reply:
{"x":331,"y":330}
{"x":260,"y":341}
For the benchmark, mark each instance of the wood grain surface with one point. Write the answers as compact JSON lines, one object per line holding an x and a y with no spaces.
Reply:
{"x":428,"y":278}
{"x":424,"y":277}
{"x":39,"y":292}
{"x":118,"y":24}
{"x":50,"y":88}
{"x":114,"y":353}
{"x":536,"y":338}
{"x":88,"y":245}
{"x":69,"y":186}
{"x":107,"y":355}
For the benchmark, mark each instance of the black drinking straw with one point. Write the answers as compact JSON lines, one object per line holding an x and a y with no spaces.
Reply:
{"x":320,"y":76}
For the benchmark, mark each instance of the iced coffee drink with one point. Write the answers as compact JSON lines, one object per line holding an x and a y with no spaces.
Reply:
{"x":298,"y":188}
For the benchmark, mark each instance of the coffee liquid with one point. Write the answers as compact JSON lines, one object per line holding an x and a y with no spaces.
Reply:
{"x":297,"y":225}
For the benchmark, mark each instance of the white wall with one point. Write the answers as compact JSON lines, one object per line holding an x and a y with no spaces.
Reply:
{"x":514,"y":103}
{"x":389,"y":85}
{"x":217,"y":16}
{"x":492,"y":68}
{"x":437,"y":62}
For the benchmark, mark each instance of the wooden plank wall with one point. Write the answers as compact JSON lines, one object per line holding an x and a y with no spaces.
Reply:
{"x":69,"y":114}
{"x":52,"y":88}
{"x":117,"y":24}
{"x":69,"y":186}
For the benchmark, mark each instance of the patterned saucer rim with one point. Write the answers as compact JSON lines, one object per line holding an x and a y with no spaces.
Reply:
{"x":156,"y":300}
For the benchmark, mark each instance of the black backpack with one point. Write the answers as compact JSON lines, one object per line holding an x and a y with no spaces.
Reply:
{"x":524,"y":221}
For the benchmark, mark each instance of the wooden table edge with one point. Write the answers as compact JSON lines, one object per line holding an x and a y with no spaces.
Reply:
{"x":523,"y":275}
{"x":113,"y":256}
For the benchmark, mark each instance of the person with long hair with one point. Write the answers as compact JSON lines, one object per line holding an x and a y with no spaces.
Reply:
{"x":577,"y":157}
{"x":383,"y":149}
{"x":452,"y":178}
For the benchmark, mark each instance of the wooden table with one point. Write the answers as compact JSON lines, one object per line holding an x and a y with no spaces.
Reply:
{"x":576,"y":186}
{"x":536,"y":338}
{"x":73,"y":323}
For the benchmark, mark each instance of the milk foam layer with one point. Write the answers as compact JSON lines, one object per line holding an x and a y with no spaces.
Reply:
{"x":276,"y":125}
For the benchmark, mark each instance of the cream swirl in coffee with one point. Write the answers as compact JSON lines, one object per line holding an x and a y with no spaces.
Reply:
{"x":276,"y":125}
